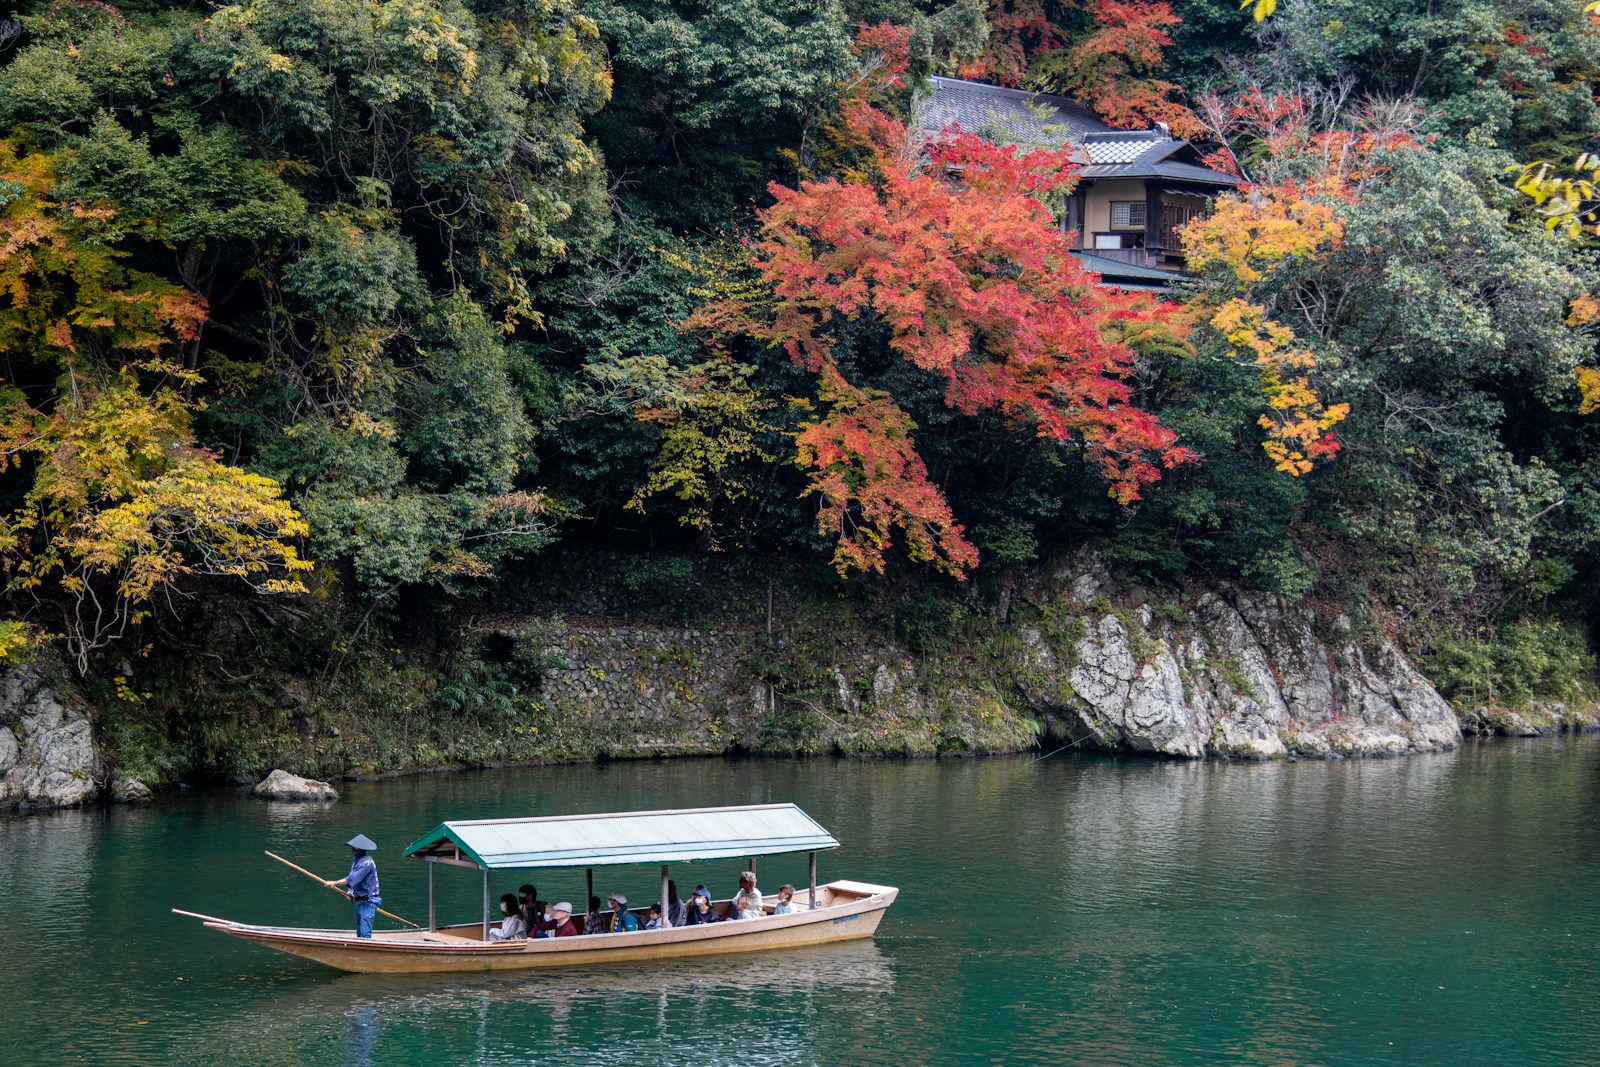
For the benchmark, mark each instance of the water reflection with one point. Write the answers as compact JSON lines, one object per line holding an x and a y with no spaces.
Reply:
{"x":360,"y":1037}
{"x":744,"y":1009}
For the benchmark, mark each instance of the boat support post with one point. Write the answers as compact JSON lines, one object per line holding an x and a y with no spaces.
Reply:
{"x":486,"y":903}
{"x":433,"y":923}
{"x":811,"y":864}
{"x":666,"y":918}
{"x":588,"y":887}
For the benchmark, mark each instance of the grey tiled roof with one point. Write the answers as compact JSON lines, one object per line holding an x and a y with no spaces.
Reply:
{"x":1011,"y":116}
{"x":1130,"y":146}
{"x":1015,"y":116}
{"x":1172,"y":169}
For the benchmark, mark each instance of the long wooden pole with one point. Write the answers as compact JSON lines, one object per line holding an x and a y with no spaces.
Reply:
{"x":341,"y":892}
{"x":197,"y":915}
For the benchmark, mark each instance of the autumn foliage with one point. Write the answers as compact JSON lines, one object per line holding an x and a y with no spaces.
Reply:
{"x":1305,"y":170}
{"x":1299,"y":426}
{"x":1112,"y":66}
{"x":954,"y":251}
{"x":121,"y":507}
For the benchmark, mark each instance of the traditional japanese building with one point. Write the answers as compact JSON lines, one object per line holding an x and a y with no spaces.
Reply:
{"x":1137,"y":187}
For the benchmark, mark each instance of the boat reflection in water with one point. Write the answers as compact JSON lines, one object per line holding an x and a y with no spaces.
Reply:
{"x":740,"y":1010}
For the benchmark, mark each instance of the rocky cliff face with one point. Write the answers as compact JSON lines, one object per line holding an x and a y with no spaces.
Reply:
{"x":1236,"y":674}
{"x":48,"y":757}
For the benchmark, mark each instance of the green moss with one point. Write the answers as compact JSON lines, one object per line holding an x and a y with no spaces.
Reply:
{"x":1229,"y":674}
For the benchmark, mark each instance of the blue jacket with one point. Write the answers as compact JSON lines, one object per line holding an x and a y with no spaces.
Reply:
{"x":696,"y":919}
{"x":363,"y":878}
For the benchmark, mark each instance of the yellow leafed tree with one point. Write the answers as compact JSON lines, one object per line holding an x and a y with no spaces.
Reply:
{"x":119,"y":509}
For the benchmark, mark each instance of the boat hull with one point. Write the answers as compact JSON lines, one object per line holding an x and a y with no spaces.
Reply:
{"x":852,"y":911}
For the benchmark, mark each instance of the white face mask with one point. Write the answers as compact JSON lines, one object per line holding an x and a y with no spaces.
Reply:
{"x":504,"y":910}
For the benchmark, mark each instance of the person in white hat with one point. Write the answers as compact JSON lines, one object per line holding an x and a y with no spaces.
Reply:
{"x":560,"y":922}
{"x":361,"y":884}
{"x":622,"y":920}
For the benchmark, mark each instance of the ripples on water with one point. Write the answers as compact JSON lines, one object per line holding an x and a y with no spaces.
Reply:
{"x":1085,"y":910}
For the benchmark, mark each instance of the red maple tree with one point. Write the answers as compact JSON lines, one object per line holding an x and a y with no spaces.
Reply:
{"x":1112,"y":63}
{"x":953,"y":249}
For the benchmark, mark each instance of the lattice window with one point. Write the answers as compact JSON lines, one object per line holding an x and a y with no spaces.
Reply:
{"x":1127,"y":214}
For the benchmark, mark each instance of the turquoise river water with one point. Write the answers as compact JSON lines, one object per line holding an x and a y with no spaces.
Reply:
{"x":1438,"y":909}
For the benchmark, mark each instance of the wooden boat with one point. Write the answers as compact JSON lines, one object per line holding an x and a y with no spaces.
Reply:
{"x":836,"y":911}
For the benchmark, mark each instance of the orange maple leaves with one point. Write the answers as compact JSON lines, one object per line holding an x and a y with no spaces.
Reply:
{"x":1249,"y":237}
{"x":61,"y":278}
{"x":1112,"y":66}
{"x":956,"y":254}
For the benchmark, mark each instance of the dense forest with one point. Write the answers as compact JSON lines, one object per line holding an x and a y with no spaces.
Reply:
{"x":363,"y":308}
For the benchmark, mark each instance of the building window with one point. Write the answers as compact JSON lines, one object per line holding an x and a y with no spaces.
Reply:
{"x":1127,"y":214}
{"x":1174,"y":218}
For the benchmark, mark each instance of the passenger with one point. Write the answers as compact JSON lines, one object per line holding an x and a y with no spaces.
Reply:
{"x":785,"y":904}
{"x":652,"y":919}
{"x":622,"y":920}
{"x":747,"y":905}
{"x":594,"y":921}
{"x":700,"y":909}
{"x":512,"y":927}
{"x":560,"y":922}
{"x":533,"y":909}
{"x":675,"y":910}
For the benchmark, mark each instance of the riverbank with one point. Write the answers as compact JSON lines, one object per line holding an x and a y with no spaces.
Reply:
{"x":613,"y":659}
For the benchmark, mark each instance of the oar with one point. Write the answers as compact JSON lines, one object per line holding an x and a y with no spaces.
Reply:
{"x":341,"y":892}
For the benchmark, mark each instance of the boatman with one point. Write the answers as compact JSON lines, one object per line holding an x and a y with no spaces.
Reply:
{"x":361,"y":884}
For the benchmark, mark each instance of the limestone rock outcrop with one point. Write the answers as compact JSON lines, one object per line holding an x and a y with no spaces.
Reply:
{"x":1233,"y":674}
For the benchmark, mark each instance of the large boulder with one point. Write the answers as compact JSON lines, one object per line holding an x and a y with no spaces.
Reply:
{"x":281,"y":785}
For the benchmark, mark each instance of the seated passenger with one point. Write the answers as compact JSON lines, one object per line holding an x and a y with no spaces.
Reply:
{"x":785,"y":904}
{"x":622,"y":920}
{"x":747,"y":904}
{"x":560,"y":921}
{"x":512,"y":927}
{"x":594,"y":920}
{"x":533,"y":909}
{"x":701,"y":911}
{"x":653,"y":918}
{"x":675,"y":909}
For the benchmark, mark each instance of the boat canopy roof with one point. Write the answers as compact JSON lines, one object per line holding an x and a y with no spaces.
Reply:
{"x":607,"y":840}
